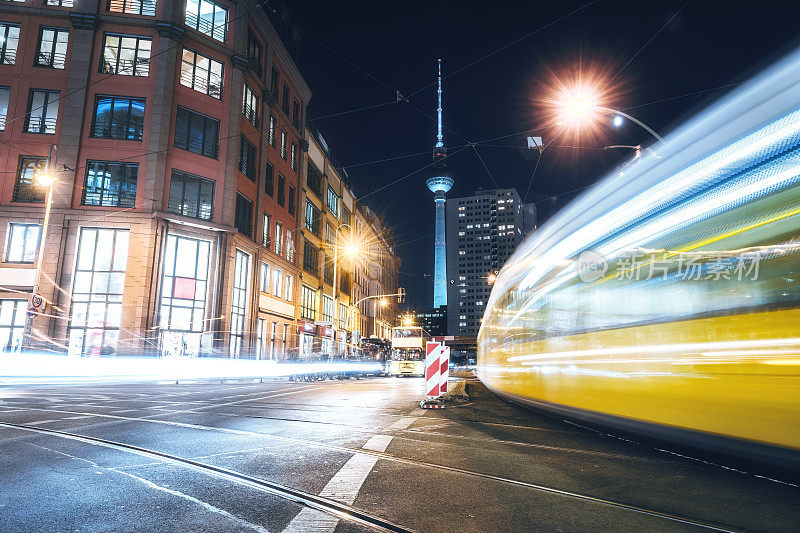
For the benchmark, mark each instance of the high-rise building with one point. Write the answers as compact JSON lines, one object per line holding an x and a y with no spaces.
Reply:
{"x":439,"y":184}
{"x":482,"y":232}
{"x":434,"y":321}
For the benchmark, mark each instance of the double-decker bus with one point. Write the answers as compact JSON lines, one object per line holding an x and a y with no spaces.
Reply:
{"x":408,"y":351}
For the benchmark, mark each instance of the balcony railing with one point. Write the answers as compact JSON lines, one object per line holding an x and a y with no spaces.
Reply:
{"x":204,"y":25}
{"x":41,"y":125}
{"x":202,"y":85}
{"x":113,"y":130}
{"x":193,"y":143}
{"x":128,"y":67}
{"x":10,"y":57}
{"x":249,"y":170}
{"x":51,"y":59}
{"x":251,"y":112}
{"x":135,"y":7}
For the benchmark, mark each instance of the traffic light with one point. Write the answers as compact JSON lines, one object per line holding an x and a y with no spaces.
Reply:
{"x":401,"y":295}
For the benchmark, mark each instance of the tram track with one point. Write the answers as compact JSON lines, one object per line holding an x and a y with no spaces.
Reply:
{"x":313,"y":501}
{"x":381,"y":455}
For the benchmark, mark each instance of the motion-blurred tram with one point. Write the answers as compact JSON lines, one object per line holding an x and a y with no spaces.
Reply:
{"x":666,"y":299}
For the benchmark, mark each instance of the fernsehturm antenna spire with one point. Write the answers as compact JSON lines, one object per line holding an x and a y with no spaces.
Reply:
{"x":439,"y":184}
{"x":439,"y":141}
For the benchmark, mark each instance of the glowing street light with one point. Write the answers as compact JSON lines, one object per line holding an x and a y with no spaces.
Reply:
{"x":618,"y":121}
{"x":581,"y":108}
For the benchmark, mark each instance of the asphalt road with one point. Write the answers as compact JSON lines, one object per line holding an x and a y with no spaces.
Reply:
{"x":346,"y":456}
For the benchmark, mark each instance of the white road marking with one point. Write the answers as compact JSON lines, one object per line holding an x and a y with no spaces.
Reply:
{"x":378,"y":443}
{"x":344,"y":485}
{"x":404,"y":422}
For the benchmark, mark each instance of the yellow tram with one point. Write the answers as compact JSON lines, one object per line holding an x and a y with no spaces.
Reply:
{"x":666,"y":300}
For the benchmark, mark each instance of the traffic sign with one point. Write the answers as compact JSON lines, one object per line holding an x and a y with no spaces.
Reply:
{"x":33,"y":313}
{"x":36,"y":301}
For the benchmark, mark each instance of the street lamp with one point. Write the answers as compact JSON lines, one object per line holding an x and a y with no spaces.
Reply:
{"x":350,"y":250}
{"x":581,"y":108}
{"x":45,"y":179}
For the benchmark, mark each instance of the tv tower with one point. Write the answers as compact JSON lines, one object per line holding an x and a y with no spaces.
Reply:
{"x":439,"y":184}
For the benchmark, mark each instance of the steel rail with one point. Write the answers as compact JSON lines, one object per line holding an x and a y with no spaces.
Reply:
{"x":319,"y":503}
{"x":393,"y":458}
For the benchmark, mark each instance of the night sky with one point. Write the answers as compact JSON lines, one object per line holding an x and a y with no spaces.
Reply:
{"x":358,"y":54}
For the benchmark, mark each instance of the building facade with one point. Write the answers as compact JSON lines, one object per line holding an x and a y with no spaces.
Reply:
{"x":482,"y":232}
{"x":434,"y":321}
{"x":179,"y":129}
{"x":346,"y":258}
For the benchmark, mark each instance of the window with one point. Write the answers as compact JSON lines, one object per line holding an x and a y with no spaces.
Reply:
{"x":314,"y":178}
{"x":271,"y":130}
{"x":26,"y":189}
{"x":250,"y":105}
{"x":207,"y":17}
{"x":296,"y":114}
{"x":254,"y":54}
{"x":345,"y":215}
{"x":288,"y":287}
{"x":42,"y":112}
{"x":243,"y":217}
{"x":128,"y":55}
{"x":289,"y":246}
{"x":273,"y":82}
{"x":60,"y":3}
{"x":22,"y":242}
{"x":312,"y":218}
{"x":110,"y":184}
{"x":269,"y":179}
{"x":197,"y":133}
{"x":277,"y":279}
{"x":311,"y":258}
{"x":118,"y":117}
{"x":327,"y":308}
{"x":283,"y":144}
{"x":201,"y":73}
{"x":12,"y":324}
{"x":281,"y":190}
{"x":342,"y":316}
{"x":292,"y":200}
{"x":133,"y":7}
{"x":278,"y":238}
{"x":333,"y":202}
{"x":285,"y":101}
{"x":184,"y":293}
{"x":293,"y":157}
{"x":9,"y":40}
{"x":263,"y":285}
{"x":97,"y":288}
{"x":5,"y":96}
{"x":190,"y":195}
{"x":330,"y":234}
{"x":308,"y":303}
{"x":241,"y":282}
{"x":247,"y":159}
{"x":52,"y":49}
{"x":265,"y":232}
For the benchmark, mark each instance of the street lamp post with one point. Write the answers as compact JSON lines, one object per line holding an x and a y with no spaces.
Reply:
{"x":47,"y":179}
{"x":335,"y":315}
{"x":581,"y":106}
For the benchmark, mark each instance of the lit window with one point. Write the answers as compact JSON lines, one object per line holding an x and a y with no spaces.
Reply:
{"x":201,"y":73}
{"x":9,"y":40}
{"x":241,"y":282}
{"x":207,"y":17}
{"x":118,"y":117}
{"x":271,"y":130}
{"x":288,"y":287}
{"x":277,"y":278}
{"x":5,"y":96}
{"x":110,"y":184}
{"x":42,"y":112}
{"x":283,"y":144}
{"x":12,"y":323}
{"x":250,"y":105}
{"x":52,"y":49}
{"x":25,"y":188}
{"x":128,"y":55}
{"x":293,"y":157}
{"x":265,"y":232}
{"x":133,"y":7}
{"x":278,"y":238}
{"x":23,"y":239}
{"x":264,"y":278}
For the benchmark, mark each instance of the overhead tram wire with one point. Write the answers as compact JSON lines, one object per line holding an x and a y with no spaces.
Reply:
{"x":649,"y":41}
{"x":512,"y":43}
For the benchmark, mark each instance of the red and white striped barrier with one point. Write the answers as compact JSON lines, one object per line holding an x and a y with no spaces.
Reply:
{"x":444,"y":369}
{"x":433,"y":355}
